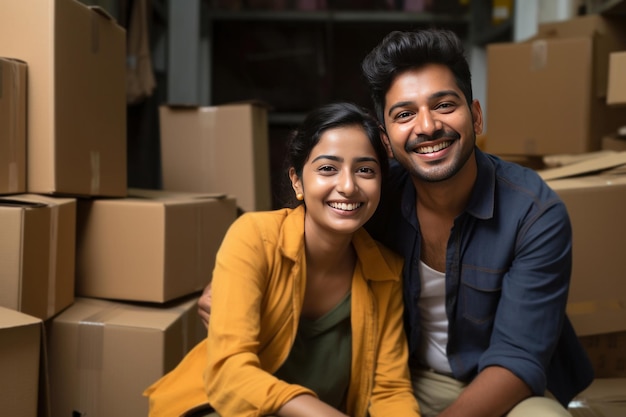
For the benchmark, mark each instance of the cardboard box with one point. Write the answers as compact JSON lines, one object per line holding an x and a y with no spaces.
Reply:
{"x":20,"y":350}
{"x":103,"y":354}
{"x":151,"y":246}
{"x":37,"y":253}
{"x":614,"y":143}
{"x":617,"y":79}
{"x":607,"y":353}
{"x":76,"y":100}
{"x":595,"y":202}
{"x":217,"y":149}
{"x":605,"y":397}
{"x":539,"y":103}
{"x":13,"y":121}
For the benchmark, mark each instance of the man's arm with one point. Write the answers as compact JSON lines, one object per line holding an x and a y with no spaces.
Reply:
{"x":204,"y":305}
{"x":492,"y":393}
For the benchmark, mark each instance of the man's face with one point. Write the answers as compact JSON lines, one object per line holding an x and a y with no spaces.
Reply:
{"x":430,"y":128}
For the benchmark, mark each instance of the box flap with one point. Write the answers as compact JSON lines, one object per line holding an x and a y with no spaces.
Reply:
{"x":585,"y":167}
{"x":12,"y":318}
{"x":167,"y":194}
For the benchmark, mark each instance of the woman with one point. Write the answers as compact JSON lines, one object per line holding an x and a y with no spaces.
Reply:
{"x":306,"y":307}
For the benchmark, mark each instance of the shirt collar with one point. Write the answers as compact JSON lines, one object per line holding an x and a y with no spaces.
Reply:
{"x":376,"y":266}
{"x":482,"y":200}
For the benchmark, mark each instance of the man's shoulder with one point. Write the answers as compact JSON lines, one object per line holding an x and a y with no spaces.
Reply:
{"x":518,"y":178}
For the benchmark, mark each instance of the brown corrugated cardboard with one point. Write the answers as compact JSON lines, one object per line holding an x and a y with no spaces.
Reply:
{"x":614,"y":143}
{"x":37,"y":249}
{"x":13,"y":121}
{"x":605,"y":397}
{"x":607,"y":353}
{"x":539,"y":102}
{"x":217,"y":149}
{"x":76,"y":100}
{"x":104,"y":354}
{"x":20,"y":349}
{"x":595,"y":203}
{"x":617,"y":79}
{"x":150,"y":246}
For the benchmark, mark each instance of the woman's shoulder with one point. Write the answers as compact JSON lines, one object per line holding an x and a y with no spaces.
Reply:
{"x":374,"y":254}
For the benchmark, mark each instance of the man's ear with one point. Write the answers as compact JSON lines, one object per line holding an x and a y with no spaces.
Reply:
{"x":477,"y":117}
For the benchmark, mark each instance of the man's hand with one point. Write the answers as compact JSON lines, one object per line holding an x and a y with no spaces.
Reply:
{"x":204,"y":305}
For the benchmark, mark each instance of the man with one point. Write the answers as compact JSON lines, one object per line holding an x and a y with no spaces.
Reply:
{"x":487,"y":245}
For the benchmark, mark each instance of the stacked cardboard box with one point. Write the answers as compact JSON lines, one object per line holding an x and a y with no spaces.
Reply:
{"x":218,"y":149}
{"x":594,"y":191}
{"x":616,"y":97}
{"x":13,"y":121}
{"x":21,"y":345}
{"x":103,"y":354}
{"x":112,"y":273}
{"x":76,"y":96}
{"x":548,"y":95}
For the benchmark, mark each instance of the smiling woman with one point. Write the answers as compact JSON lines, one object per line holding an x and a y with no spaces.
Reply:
{"x":306,"y":314}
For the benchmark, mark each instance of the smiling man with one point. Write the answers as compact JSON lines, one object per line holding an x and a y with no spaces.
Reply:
{"x":487,"y":245}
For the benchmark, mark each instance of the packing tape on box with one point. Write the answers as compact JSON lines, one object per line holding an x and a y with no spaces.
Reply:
{"x":52,"y":260}
{"x":95,"y":172}
{"x":539,"y":55}
{"x":200,"y":247}
{"x":207,"y":124}
{"x":95,"y":32}
{"x":588,"y":307}
{"x":90,"y":357}
{"x":13,"y":129}
{"x":91,"y":348}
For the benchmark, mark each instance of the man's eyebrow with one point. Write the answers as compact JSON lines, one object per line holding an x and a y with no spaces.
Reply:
{"x":438,"y":94}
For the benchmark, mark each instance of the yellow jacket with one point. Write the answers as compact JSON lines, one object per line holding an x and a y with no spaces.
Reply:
{"x":258,"y":290}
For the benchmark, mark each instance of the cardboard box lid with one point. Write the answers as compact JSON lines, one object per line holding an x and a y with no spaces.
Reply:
{"x":10,"y":318}
{"x":99,"y":312}
{"x":585,"y":167}
{"x":616,"y":94}
{"x":143,"y":193}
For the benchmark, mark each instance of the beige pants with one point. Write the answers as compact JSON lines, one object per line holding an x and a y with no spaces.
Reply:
{"x":435,"y":392}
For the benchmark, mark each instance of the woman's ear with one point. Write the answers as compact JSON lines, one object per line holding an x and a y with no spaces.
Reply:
{"x":386,"y":143}
{"x":296,"y":182}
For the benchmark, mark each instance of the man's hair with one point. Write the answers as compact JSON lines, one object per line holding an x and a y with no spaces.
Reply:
{"x":401,"y":51}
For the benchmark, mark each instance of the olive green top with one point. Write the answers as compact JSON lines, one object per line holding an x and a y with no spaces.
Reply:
{"x":321,"y":355}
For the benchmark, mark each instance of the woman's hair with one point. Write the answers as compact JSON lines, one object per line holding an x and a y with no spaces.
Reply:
{"x":402,"y":51}
{"x":301,"y":142}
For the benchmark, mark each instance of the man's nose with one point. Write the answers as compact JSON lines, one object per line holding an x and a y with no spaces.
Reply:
{"x":425,"y":124}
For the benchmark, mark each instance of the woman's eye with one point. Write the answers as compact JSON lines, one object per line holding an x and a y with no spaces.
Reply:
{"x":326,"y":168}
{"x":367,"y":170}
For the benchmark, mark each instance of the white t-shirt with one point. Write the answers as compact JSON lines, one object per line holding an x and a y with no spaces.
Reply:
{"x":434,"y":321}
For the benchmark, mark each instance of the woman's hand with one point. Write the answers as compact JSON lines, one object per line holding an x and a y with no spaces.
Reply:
{"x":204,"y":305}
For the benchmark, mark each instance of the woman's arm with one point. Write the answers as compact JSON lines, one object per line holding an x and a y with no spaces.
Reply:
{"x":235,"y":382}
{"x":392,"y":393}
{"x":308,"y":406}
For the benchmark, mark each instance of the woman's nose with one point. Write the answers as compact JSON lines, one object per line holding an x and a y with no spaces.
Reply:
{"x":346,"y":183}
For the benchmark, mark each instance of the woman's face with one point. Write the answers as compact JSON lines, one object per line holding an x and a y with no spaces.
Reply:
{"x":340,"y":180}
